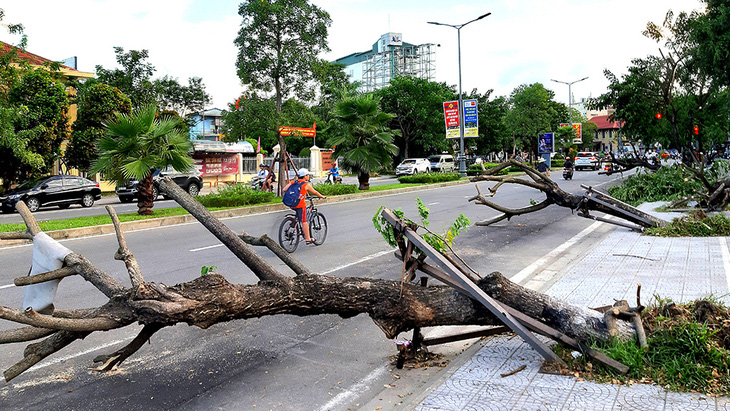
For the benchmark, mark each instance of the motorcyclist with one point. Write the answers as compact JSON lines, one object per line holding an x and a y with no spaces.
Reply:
{"x":335,"y":173}
{"x":567,"y":164}
{"x":261,"y":175}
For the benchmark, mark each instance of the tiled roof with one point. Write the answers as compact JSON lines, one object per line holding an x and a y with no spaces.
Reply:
{"x":31,"y":58}
{"x":604,"y":123}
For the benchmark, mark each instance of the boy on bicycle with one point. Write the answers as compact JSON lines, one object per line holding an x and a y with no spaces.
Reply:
{"x":301,"y":207}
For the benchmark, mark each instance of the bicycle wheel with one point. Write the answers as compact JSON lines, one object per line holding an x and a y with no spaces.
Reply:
{"x":289,"y":234}
{"x":318,"y":228}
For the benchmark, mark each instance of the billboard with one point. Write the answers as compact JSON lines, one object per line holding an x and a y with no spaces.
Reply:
{"x":451,"y":116}
{"x":471,"y":120}
{"x":545,"y":143}
{"x":578,"y":127}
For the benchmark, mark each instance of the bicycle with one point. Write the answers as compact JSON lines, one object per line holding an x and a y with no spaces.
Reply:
{"x":290,"y":230}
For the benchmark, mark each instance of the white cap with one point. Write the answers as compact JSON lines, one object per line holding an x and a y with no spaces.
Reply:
{"x":303,"y":172}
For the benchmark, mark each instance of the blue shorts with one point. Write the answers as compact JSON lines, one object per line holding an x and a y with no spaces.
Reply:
{"x":301,"y":214}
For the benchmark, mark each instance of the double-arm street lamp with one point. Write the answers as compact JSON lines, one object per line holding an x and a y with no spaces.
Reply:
{"x":462,"y":163}
{"x":570,"y":97}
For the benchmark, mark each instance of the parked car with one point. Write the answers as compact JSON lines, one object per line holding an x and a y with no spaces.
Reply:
{"x":442,"y":163}
{"x":412,"y":166}
{"x":587,"y":159}
{"x":190,"y":181}
{"x":61,"y":191}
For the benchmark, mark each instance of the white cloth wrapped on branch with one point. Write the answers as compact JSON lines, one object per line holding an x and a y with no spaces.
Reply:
{"x":48,"y":255}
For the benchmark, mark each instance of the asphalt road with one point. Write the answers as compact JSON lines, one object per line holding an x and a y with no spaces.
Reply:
{"x":278,"y":362}
{"x":50,"y":213}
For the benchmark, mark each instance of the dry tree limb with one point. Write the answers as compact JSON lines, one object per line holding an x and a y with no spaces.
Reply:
{"x":123,"y":253}
{"x":584,"y":203}
{"x":238,"y":247}
{"x":43,"y":277}
{"x":112,"y":360}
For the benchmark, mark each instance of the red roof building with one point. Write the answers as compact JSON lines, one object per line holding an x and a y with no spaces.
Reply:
{"x":608,"y":134}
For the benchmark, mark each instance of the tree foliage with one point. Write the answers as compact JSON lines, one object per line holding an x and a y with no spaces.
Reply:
{"x":530,"y":114}
{"x":278,"y":45}
{"x":97,"y":104}
{"x":40,"y":123}
{"x":134,"y":79}
{"x":418,"y":108}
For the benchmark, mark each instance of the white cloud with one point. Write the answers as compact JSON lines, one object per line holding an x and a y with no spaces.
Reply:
{"x":522,"y":41}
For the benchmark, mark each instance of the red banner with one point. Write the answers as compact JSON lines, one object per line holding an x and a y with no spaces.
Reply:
{"x":451,"y":115}
{"x":298,"y":131}
{"x":217,"y":165}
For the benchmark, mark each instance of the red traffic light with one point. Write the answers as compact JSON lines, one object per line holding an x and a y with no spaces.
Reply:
{"x":697,"y":130}
{"x":659,"y":116}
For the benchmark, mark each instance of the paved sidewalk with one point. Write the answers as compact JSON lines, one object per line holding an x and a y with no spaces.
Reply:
{"x":682,"y":269}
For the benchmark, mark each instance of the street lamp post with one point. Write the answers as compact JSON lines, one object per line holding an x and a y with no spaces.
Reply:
{"x":570,"y":98}
{"x":462,"y":162}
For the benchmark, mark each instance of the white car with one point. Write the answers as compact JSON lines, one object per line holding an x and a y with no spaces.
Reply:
{"x":587,"y":159}
{"x":412,"y":166}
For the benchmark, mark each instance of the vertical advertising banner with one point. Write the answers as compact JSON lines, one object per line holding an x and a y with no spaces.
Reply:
{"x":471,"y":121}
{"x":451,"y":115}
{"x":545,"y":143}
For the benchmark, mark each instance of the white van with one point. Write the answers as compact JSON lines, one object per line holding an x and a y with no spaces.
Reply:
{"x":442,"y":163}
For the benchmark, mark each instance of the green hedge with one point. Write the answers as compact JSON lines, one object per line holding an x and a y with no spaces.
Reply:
{"x":476,"y":169}
{"x":427,"y":178}
{"x":235,"y":195}
{"x":557,"y":162}
{"x":335,"y":189}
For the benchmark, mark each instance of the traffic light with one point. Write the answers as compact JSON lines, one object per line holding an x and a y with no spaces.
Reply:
{"x":658,"y":116}
{"x":697,"y":130}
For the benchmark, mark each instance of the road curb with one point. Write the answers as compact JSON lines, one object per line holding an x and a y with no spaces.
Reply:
{"x":80,"y":232}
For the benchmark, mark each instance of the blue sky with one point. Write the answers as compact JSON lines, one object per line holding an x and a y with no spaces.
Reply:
{"x":522,"y":42}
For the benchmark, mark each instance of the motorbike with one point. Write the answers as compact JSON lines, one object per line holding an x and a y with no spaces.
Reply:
{"x":257,"y":182}
{"x":568,"y":173}
{"x":331,"y":179}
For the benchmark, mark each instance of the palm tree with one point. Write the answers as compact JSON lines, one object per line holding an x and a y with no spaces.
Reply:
{"x":362,"y":136}
{"x":136,"y":144}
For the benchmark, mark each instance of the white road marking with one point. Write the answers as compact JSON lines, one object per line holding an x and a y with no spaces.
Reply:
{"x":7,"y":286}
{"x":362,"y":260}
{"x":358,"y":387}
{"x":433,"y":203}
{"x":530,"y":269}
{"x":70,"y":356}
{"x":725,"y":260}
{"x":205,"y":248}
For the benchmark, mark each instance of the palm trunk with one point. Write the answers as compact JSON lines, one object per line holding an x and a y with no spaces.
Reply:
{"x":145,"y":196}
{"x":364,"y":179}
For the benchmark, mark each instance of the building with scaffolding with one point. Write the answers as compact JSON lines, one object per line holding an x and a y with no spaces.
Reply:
{"x":390,"y":57}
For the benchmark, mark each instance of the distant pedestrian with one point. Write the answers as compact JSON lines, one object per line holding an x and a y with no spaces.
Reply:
{"x":542,"y":167}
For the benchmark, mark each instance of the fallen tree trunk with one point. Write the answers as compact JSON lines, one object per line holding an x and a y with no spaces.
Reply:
{"x":394,"y":306}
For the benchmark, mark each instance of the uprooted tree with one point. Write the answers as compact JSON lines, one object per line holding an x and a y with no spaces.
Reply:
{"x":584,"y":204}
{"x":395,"y":306}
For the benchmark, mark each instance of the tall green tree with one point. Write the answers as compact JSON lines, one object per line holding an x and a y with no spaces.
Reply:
{"x":710,"y":31}
{"x":184,"y":100}
{"x":278,"y":43}
{"x":136,"y":144}
{"x":97,"y":103}
{"x":14,"y":143}
{"x":41,"y":122}
{"x":418,"y":108}
{"x":134,"y":79}
{"x":530,"y":114}
{"x":364,"y":140}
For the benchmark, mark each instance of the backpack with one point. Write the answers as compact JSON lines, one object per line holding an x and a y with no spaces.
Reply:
{"x":293,"y":194}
